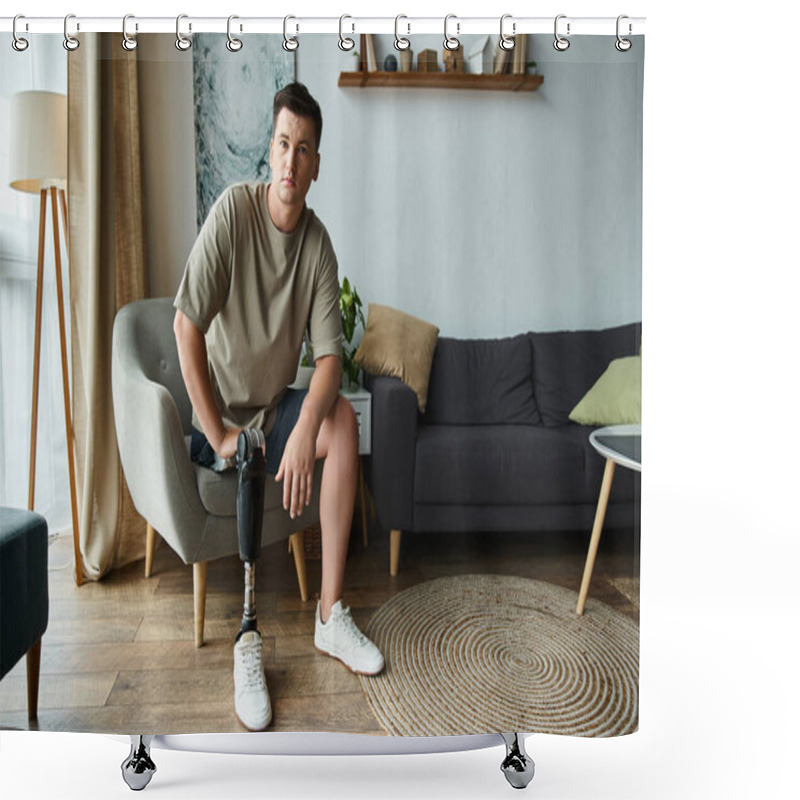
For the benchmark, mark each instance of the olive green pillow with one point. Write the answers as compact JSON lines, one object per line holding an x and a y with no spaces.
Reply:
{"x":398,"y":345}
{"x":616,"y":397}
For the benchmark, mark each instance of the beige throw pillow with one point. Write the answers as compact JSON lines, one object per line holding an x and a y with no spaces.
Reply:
{"x":398,"y":345}
{"x":616,"y":397}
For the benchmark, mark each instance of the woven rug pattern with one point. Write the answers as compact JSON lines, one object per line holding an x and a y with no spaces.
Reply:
{"x":488,"y":653}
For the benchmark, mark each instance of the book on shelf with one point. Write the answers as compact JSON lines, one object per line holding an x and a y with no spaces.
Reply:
{"x":520,"y":58}
{"x":501,"y":59}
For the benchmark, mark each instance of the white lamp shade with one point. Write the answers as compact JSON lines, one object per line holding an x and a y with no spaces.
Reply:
{"x":38,"y":147}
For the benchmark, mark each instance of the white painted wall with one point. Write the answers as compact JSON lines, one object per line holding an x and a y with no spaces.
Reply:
{"x":486,"y":213}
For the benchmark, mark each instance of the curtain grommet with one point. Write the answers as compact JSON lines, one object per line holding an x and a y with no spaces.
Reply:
{"x":233,"y":44}
{"x":290,"y":43}
{"x":182,"y":42}
{"x":70,"y":42}
{"x":507,"y":42}
{"x":561,"y":43}
{"x":622,"y":44}
{"x":401,"y":43}
{"x":345,"y":42}
{"x":19,"y":43}
{"x":128,"y":42}
{"x":451,"y":42}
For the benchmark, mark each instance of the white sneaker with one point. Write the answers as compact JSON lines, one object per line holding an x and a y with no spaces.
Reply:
{"x":339,"y":637}
{"x":251,"y":698}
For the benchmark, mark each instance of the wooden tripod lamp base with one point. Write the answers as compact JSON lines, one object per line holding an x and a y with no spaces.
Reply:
{"x":38,"y":163}
{"x":54,"y":192}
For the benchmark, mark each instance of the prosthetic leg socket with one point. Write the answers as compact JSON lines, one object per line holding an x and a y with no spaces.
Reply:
{"x":252,"y":469}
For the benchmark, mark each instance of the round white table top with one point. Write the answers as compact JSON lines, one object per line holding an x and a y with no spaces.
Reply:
{"x":621,"y":443}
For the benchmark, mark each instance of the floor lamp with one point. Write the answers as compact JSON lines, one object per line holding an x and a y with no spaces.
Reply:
{"x":38,"y":150}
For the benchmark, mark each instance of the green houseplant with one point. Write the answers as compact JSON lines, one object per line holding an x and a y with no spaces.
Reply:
{"x":352,"y":312}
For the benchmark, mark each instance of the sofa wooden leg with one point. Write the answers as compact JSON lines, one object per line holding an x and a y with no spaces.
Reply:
{"x":33,"y":658}
{"x":299,"y":552}
{"x":200,"y":570}
{"x":149,"y":549}
{"x":394,"y":551}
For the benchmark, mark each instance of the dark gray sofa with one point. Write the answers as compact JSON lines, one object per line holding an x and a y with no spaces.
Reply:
{"x":495,"y":449}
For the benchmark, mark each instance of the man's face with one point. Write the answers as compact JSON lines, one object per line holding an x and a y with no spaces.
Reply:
{"x":293,"y":157}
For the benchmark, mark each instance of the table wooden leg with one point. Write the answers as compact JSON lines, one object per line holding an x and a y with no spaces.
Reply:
{"x":600,"y":514}
{"x":363,"y":499}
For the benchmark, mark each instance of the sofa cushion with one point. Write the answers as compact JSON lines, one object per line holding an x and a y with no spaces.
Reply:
{"x":398,"y":345}
{"x":566,"y":364}
{"x":500,"y":465}
{"x":616,"y":397}
{"x":482,"y":382}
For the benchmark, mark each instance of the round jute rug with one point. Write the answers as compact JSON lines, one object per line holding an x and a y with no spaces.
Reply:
{"x":489,"y":653}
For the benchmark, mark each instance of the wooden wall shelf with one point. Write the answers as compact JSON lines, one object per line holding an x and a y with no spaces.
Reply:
{"x":441,"y":80}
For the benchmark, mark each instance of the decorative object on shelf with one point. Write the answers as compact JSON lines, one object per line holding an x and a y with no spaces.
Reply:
{"x":372,"y":64}
{"x":390,"y":63}
{"x":427,"y":61}
{"x":518,"y":64}
{"x":453,"y":59}
{"x":480,"y":57}
{"x":406,"y":60}
{"x":502,"y":57}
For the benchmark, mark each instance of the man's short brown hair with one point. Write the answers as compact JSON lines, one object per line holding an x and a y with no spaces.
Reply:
{"x":296,"y":97}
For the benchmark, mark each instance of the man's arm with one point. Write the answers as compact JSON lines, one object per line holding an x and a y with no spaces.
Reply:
{"x":297,"y":465}
{"x":194,"y":368}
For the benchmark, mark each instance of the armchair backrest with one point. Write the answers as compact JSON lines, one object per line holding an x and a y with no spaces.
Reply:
{"x":147,"y":343}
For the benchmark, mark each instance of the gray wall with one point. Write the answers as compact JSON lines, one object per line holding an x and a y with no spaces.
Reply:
{"x":487,"y":213}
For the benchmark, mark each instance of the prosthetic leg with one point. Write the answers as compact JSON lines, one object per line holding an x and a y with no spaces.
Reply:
{"x":252,"y":469}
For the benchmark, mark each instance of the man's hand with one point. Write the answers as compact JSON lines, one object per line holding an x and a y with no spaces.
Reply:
{"x":226,"y":447}
{"x":297,"y":468}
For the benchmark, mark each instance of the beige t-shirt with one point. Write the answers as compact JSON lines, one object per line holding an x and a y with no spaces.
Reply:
{"x":256,"y":292}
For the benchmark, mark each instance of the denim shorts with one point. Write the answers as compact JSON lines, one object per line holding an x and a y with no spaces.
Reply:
{"x":286,"y":418}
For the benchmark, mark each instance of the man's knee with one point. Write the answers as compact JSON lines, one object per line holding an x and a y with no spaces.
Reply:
{"x":344,"y":421}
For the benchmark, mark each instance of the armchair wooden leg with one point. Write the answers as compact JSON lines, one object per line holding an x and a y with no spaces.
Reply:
{"x":297,"y":548}
{"x":394,"y":551}
{"x":149,"y":549}
{"x":33,"y":659}
{"x":200,"y":581}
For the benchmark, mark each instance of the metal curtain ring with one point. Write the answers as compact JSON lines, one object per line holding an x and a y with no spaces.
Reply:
{"x":233,"y":44}
{"x":345,"y":43}
{"x":623,"y":45}
{"x":128,"y":42}
{"x":70,"y":42}
{"x":561,"y":44}
{"x":507,"y":42}
{"x":450,"y":42}
{"x":290,"y":44}
{"x":19,"y":44}
{"x":181,"y":41}
{"x":400,"y":42}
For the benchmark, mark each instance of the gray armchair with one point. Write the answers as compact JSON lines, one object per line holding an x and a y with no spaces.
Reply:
{"x":192,"y":508}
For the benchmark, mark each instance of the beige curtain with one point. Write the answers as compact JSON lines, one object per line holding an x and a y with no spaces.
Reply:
{"x":107,"y":270}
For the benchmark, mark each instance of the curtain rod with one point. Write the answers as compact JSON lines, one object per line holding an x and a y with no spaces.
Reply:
{"x":407,"y":26}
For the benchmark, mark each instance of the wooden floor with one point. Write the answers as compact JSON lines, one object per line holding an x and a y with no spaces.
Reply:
{"x":118,"y":656}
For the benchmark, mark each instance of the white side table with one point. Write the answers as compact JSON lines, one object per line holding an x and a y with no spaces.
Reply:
{"x":620,"y":444}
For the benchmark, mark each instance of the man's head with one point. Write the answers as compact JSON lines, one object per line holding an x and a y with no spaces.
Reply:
{"x":297,"y":98}
{"x":293,"y":151}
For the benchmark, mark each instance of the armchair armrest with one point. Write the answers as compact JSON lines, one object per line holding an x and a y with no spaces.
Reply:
{"x":152,"y":447}
{"x":389,"y":470}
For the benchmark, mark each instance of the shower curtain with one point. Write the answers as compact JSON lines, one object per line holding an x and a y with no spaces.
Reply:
{"x":505,"y":225}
